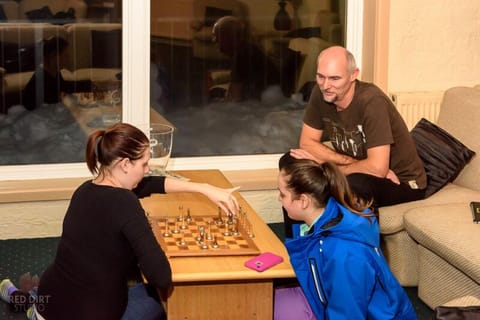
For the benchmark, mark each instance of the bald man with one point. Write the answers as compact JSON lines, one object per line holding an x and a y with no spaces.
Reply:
{"x":252,"y":70}
{"x":371,"y":142}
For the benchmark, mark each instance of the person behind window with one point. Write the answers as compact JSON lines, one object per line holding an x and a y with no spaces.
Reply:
{"x":336,"y":251}
{"x":107,"y":239}
{"x":371,"y":142}
{"x":47,"y":83}
{"x":252,"y":71}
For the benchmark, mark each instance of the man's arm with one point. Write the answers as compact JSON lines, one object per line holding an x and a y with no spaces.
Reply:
{"x":310,"y":140}
{"x":377,"y":161}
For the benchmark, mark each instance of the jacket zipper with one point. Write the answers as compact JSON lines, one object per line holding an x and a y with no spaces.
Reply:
{"x":317,"y":282}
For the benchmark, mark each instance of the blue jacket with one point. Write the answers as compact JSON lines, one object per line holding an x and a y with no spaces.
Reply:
{"x":342,"y":270}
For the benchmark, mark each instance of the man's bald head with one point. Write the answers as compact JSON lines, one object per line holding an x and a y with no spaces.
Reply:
{"x":340,"y":56}
{"x":229,"y":31}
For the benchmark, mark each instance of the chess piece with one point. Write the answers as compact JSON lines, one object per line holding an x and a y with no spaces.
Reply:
{"x":226,"y":232}
{"x":180,"y":208}
{"x":209,"y":235}
{"x":166,"y":233}
{"x":215,"y":242}
{"x":175,"y":228}
{"x":189,"y":216}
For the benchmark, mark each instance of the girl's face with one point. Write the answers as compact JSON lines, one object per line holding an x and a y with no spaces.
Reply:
{"x":291,"y":202}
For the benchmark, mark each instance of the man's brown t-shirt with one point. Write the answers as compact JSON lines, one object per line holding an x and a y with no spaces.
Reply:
{"x":370,"y":120}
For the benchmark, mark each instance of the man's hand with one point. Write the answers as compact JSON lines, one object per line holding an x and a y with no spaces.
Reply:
{"x":302,"y":154}
{"x":392,"y":177}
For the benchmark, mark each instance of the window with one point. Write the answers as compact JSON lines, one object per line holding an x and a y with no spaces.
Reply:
{"x":135,"y":95}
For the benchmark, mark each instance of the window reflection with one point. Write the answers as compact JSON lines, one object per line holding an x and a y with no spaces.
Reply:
{"x":60,"y":77}
{"x":187,"y":81}
{"x":238,"y":87}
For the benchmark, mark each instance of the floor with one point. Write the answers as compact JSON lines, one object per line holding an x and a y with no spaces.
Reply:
{"x":34,"y":255}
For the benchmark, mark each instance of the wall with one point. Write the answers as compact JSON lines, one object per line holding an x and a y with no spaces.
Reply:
{"x":433,"y":44}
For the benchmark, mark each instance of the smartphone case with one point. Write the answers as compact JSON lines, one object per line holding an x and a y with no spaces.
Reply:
{"x":263,"y":261}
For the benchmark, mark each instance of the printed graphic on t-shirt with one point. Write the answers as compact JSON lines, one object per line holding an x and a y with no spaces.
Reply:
{"x":349,"y":142}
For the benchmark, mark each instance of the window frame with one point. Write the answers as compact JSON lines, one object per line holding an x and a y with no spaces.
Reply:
{"x":136,"y":86}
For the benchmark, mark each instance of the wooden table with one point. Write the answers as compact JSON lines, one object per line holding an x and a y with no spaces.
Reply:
{"x":219,"y":287}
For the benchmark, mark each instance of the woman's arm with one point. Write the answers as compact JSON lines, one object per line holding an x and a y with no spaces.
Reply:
{"x":223,"y":198}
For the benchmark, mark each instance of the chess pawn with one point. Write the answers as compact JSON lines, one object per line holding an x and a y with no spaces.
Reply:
{"x":235,"y":227}
{"x":175,"y":228}
{"x":189,"y":216}
{"x":215,"y":242}
{"x":166,"y":234}
{"x":201,"y":233}
{"x":226,"y":232}
{"x":183,"y":226}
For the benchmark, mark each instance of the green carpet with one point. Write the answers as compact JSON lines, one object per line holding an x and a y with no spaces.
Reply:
{"x":34,"y":255}
{"x":20,"y":256}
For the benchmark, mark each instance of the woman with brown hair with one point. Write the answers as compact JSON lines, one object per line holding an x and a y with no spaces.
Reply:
{"x":107,"y":239}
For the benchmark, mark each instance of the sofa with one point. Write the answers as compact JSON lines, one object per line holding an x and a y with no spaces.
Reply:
{"x":433,"y":243}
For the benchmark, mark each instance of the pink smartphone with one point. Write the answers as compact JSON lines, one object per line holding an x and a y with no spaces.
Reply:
{"x":263,"y":261}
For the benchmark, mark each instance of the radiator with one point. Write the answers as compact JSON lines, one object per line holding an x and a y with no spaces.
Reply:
{"x":416,"y":105}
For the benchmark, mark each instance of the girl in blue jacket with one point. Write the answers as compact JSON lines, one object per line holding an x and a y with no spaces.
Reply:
{"x":336,"y":253}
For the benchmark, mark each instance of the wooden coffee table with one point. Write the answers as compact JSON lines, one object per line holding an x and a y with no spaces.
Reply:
{"x":218,"y":287}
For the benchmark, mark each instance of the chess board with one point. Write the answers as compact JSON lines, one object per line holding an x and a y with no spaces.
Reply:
{"x":182,"y":237}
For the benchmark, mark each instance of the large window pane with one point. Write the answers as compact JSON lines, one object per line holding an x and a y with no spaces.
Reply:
{"x":60,"y":78}
{"x":135,"y":86}
{"x":245,"y":93}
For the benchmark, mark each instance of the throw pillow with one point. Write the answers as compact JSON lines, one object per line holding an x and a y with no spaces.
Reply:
{"x":64,"y":17}
{"x":107,"y":49}
{"x":212,"y":14}
{"x":442,"y":154}
{"x":44,"y":14}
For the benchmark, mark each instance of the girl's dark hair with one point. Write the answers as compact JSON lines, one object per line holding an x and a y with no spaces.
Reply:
{"x":321,"y":181}
{"x":122,"y":140}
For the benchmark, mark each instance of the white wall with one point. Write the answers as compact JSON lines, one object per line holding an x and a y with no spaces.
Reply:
{"x":434,"y":44}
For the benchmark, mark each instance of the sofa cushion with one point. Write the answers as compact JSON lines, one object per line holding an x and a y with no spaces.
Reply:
{"x":448,"y":231}
{"x":392,"y":217}
{"x":459,"y":114}
{"x":92,"y":74}
{"x":442,"y":154}
{"x":43,"y":14}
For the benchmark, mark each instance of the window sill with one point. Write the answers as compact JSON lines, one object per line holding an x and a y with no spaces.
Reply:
{"x":63,"y":188}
